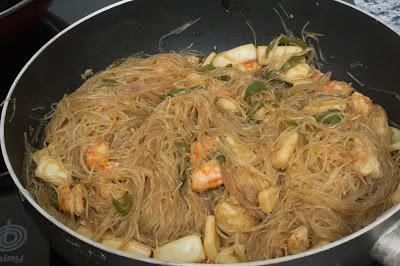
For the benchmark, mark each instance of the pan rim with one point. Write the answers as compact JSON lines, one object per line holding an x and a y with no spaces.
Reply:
{"x":383,"y":217}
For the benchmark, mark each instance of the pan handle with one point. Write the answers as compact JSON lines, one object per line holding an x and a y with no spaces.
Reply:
{"x":386,"y":250}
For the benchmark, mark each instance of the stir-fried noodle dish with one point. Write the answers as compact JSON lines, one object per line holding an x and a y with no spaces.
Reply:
{"x":243,"y":155}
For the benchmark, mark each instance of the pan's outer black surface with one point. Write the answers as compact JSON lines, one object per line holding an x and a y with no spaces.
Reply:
{"x":350,"y":36}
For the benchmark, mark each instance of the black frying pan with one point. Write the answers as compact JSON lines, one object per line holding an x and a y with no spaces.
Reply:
{"x":131,"y":26}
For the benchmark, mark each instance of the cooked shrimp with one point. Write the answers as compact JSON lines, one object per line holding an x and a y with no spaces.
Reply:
{"x":206,"y":176}
{"x":70,"y":201}
{"x":202,"y":148}
{"x":97,"y":156}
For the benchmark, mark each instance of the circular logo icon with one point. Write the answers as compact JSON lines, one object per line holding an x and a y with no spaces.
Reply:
{"x":12,"y":237}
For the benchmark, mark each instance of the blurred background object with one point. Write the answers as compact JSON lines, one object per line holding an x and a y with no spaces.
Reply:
{"x":25,"y":26}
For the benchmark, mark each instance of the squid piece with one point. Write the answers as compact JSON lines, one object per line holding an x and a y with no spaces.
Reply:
{"x":192,"y":59}
{"x":209,"y":59}
{"x":265,"y":113}
{"x":49,"y":169}
{"x":228,"y":105}
{"x":277,"y":57}
{"x":226,"y":256}
{"x":361,"y":103}
{"x":235,"y":56}
{"x":250,"y":184}
{"x":241,"y":150}
{"x":98,"y":156}
{"x":321,"y":243}
{"x":284,"y":148}
{"x":395,"y":198}
{"x":316,"y":107}
{"x":70,"y":200}
{"x":85,"y":231}
{"x":366,"y":161}
{"x":206,"y":176}
{"x":395,"y":140}
{"x":296,"y":73}
{"x":186,"y":249}
{"x":261,"y":52}
{"x":211,"y":240}
{"x":131,"y":247}
{"x":196,"y":80}
{"x":379,"y":123}
{"x":298,"y":240}
{"x":230,"y":216}
{"x":334,"y":87}
{"x":248,"y":66}
{"x":268,"y":198}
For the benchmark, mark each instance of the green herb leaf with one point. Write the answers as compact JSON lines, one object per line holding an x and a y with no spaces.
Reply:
{"x":224,"y":78}
{"x":270,"y":74}
{"x":206,"y":68}
{"x":330,"y":117}
{"x":117,"y":63}
{"x":182,"y":146}
{"x":217,"y":155}
{"x":290,"y":40}
{"x":183,"y":177}
{"x":285,"y":40}
{"x":110,"y":81}
{"x":355,"y":65}
{"x":294,"y":60}
{"x":275,"y":104}
{"x":220,"y":158}
{"x":124,"y":205}
{"x":292,"y":123}
{"x":271,"y":46}
{"x":253,"y":108}
{"x":178,"y":91}
{"x":254,"y":87}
